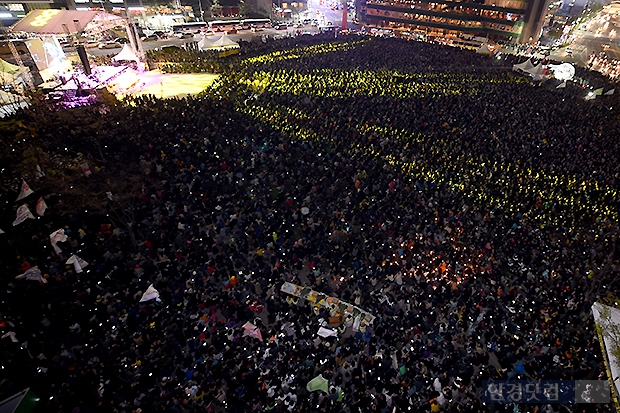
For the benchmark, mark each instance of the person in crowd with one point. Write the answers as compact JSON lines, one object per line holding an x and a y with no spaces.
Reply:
{"x":472,"y":212}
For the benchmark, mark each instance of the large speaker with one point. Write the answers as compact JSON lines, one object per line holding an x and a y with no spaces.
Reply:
{"x":83,"y":58}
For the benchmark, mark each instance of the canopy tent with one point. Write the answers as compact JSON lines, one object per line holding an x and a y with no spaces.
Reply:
{"x":9,"y":73}
{"x":204,"y":43}
{"x":607,"y":321}
{"x":537,"y":72}
{"x":484,"y":49}
{"x":126,"y":54}
{"x":51,"y":21}
{"x":224,"y":42}
{"x":10,"y":103}
{"x":525,"y":66}
{"x":7,"y":68}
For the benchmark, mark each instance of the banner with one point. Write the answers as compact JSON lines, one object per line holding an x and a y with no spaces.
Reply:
{"x":33,"y":274}
{"x":24,"y":191}
{"x":334,"y":304}
{"x":610,"y":92}
{"x":149,"y":294}
{"x":78,"y":263}
{"x":41,"y":207}
{"x":23,"y":213}
{"x":56,"y":237}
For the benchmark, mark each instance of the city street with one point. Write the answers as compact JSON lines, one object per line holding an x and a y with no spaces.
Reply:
{"x":245,"y":35}
{"x":596,"y":35}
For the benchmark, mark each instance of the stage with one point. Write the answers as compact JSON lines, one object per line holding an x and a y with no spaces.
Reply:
{"x":175,"y":85}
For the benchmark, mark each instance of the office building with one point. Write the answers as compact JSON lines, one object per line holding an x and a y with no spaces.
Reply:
{"x":507,"y":20}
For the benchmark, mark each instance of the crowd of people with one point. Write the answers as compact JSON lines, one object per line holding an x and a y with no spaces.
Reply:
{"x":471,"y":211}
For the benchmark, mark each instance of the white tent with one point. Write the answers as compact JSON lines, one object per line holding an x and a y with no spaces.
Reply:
{"x":484,"y":49}
{"x":224,"y":42}
{"x":608,"y":321}
{"x":525,"y":66}
{"x":537,"y":72}
{"x":563,"y":72}
{"x":204,"y":43}
{"x":126,"y":54}
{"x":10,"y":103}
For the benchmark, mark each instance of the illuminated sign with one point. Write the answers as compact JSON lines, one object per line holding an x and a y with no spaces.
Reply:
{"x":44,"y":18}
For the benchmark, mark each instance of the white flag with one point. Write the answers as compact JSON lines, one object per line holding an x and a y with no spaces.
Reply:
{"x":326,"y":332}
{"x":250,"y":330}
{"x":41,"y":206}
{"x":149,"y":294}
{"x":23,"y":213}
{"x":1,"y":232}
{"x":77,"y":262}
{"x":12,"y":336}
{"x":610,"y":92}
{"x":561,"y":85}
{"x":24,"y":191}
{"x":56,"y":237}
{"x":590,"y":96}
{"x":39,"y":173}
{"x":394,"y":361}
{"x":33,"y":274}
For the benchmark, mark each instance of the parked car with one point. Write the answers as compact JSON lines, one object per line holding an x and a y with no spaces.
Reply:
{"x":280,"y":26}
{"x":91,"y":43}
{"x":111,"y":44}
{"x":149,"y":38}
{"x":184,"y":35}
{"x":231,"y":31}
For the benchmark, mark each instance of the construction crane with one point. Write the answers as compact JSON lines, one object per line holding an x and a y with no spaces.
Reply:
{"x":18,"y":59}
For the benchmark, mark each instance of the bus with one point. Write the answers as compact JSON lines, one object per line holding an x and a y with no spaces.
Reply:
{"x":193,"y":27}
{"x":256,"y":23}
{"x":224,"y":25}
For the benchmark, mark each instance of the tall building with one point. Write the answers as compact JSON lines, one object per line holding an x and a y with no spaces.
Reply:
{"x":508,"y":20}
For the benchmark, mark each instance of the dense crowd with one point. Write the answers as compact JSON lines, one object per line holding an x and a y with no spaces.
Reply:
{"x":471,"y":211}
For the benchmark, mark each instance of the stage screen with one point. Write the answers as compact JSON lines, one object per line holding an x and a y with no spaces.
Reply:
{"x":45,"y":53}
